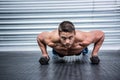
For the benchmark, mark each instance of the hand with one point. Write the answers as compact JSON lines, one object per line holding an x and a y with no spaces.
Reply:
{"x":95,"y":60}
{"x":45,"y":55}
{"x":44,"y":60}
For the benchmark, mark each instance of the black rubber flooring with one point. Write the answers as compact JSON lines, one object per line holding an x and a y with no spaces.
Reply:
{"x":25,"y":66}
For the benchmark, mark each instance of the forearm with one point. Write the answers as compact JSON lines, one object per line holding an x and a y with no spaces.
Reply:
{"x":44,"y":51}
{"x":95,"y":50}
{"x":97,"y":46}
{"x":42,"y":47}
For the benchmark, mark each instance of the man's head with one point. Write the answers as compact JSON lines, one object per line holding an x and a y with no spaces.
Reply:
{"x":66,"y":31}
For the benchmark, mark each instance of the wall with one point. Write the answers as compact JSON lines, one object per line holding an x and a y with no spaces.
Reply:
{"x":22,"y":20}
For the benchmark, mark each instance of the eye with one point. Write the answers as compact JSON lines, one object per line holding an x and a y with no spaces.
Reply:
{"x":63,"y":38}
{"x":70,"y":37}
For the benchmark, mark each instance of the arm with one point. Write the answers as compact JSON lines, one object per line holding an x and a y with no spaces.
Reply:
{"x":99,"y":38}
{"x":42,"y":44}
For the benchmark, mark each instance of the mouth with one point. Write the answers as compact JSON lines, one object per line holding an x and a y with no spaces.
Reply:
{"x":68,"y":46}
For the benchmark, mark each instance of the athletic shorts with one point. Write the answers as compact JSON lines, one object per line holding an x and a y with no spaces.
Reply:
{"x":84,"y":51}
{"x":60,"y":55}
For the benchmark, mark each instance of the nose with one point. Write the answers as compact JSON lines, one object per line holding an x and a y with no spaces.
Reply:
{"x":67,"y":41}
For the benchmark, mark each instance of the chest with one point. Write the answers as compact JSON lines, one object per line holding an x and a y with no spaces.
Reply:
{"x":76,"y":46}
{"x":79,"y":45}
{"x":74,"y":49}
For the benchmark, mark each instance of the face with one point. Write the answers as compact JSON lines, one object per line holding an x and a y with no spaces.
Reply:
{"x":67,"y":38}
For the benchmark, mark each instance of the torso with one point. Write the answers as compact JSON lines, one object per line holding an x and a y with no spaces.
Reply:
{"x":75,"y":49}
{"x":81,"y":42}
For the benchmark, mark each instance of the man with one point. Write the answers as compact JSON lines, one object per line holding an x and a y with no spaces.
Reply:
{"x":67,"y":41}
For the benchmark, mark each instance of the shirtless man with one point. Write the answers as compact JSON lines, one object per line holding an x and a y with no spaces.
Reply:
{"x":67,"y":41}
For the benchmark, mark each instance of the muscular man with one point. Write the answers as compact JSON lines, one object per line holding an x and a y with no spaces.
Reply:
{"x":67,"y":41}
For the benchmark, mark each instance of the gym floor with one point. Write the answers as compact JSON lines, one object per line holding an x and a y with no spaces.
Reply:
{"x":25,"y":66}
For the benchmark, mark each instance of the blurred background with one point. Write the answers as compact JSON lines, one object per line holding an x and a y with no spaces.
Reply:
{"x":22,"y":20}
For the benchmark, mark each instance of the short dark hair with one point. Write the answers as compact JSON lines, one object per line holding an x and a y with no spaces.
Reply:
{"x":66,"y":26}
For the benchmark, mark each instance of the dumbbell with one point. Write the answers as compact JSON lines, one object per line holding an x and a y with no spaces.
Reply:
{"x":95,"y":60}
{"x":44,"y":60}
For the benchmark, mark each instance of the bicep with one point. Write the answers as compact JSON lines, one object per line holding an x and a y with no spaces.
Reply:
{"x":98,"y":35}
{"x":41,"y":39}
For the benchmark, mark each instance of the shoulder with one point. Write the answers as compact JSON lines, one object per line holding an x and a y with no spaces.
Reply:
{"x":80,"y":35}
{"x":46,"y":34}
{"x":85,"y":36}
{"x":90,"y":36}
{"x":97,"y":33}
{"x":49,"y":36}
{"x":43,"y":35}
{"x":54,"y":35}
